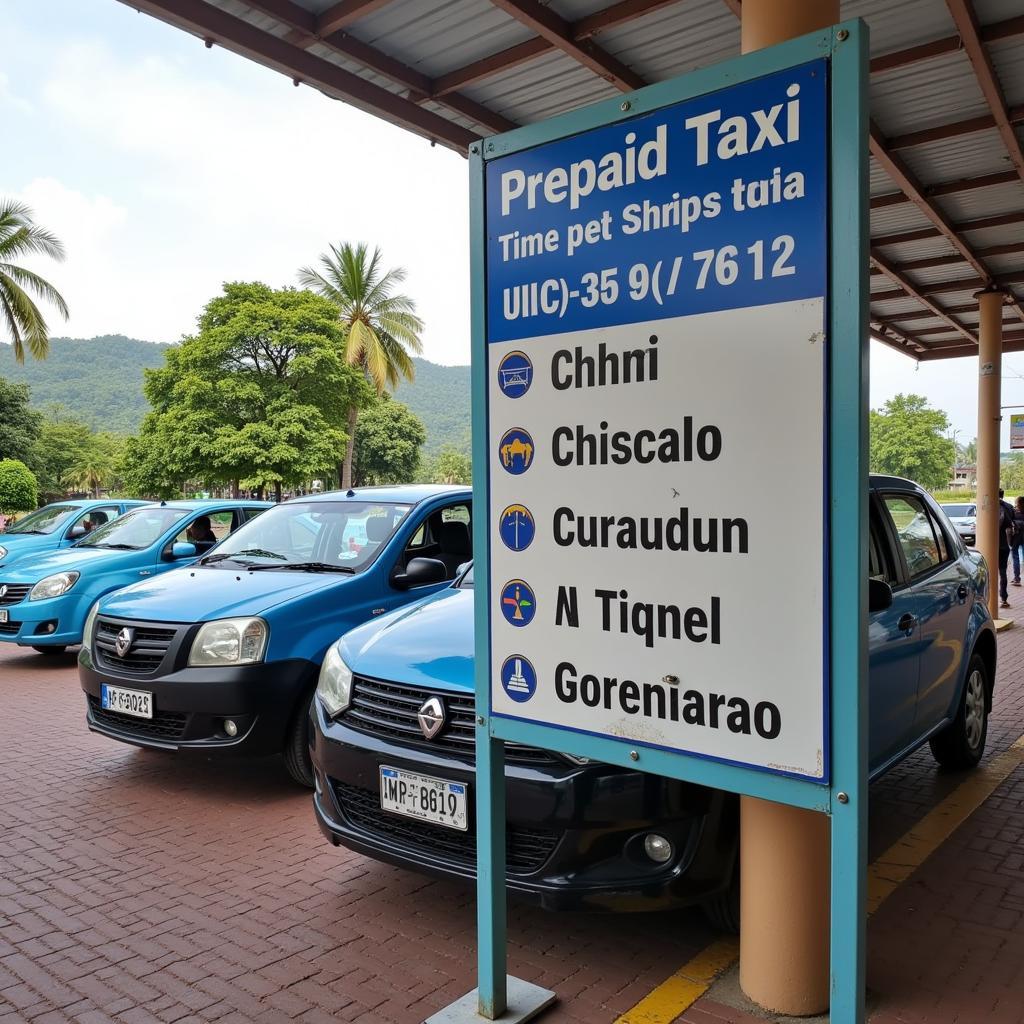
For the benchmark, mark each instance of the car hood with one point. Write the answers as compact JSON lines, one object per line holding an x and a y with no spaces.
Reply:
{"x":200,"y":593}
{"x":65,"y":560}
{"x":20,"y":544}
{"x":429,"y":643}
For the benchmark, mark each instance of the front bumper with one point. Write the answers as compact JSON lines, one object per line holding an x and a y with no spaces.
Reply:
{"x":575,"y":833}
{"x":55,"y":622}
{"x":190,"y":705}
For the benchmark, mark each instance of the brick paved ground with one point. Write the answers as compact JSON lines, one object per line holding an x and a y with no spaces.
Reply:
{"x":141,"y":887}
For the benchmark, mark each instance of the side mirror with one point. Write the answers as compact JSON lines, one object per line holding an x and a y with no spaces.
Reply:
{"x":463,"y":568}
{"x":879,"y":595}
{"x":421,"y":572}
{"x":182,"y":549}
{"x":76,"y":532}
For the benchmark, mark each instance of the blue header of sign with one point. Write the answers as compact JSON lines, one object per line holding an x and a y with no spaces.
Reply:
{"x":719,"y":202}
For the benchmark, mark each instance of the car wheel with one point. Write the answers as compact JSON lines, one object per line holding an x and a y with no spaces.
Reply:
{"x":962,"y":742}
{"x":296,"y":745}
{"x":723,"y":909}
{"x":55,"y":649}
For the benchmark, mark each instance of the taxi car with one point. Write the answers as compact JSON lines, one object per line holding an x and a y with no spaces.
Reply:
{"x":44,"y":601}
{"x":393,"y":737}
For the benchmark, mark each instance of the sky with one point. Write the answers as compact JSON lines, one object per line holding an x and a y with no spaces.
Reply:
{"x":167,"y":168}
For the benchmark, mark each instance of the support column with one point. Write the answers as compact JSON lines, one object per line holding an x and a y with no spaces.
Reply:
{"x":990,"y":361}
{"x":784,"y":851}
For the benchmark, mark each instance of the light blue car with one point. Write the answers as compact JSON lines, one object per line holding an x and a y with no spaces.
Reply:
{"x":44,"y":600}
{"x":59,"y":526}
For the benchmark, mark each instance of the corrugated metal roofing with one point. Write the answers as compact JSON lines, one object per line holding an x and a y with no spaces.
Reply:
{"x":444,"y":42}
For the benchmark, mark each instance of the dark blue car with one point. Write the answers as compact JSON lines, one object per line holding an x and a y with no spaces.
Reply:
{"x":395,"y":712}
{"x":224,"y":657}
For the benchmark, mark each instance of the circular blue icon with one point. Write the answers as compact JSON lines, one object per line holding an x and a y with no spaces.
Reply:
{"x":518,"y":604}
{"x":518,"y":678}
{"x":516,"y":451}
{"x":515,"y":374}
{"x":517,"y":527}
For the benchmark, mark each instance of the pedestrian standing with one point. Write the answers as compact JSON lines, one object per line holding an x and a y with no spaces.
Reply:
{"x":1018,"y":538}
{"x":1006,"y":528}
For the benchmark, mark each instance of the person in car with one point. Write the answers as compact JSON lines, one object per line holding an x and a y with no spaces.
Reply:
{"x":201,"y":534}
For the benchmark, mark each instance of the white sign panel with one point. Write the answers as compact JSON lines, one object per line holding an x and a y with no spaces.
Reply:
{"x":657,"y":428}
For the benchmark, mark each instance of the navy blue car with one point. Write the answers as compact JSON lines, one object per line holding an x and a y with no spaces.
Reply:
{"x":395,"y":715}
{"x":224,"y":657}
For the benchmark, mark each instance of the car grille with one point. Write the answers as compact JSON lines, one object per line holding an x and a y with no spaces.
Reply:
{"x":390,"y":709}
{"x":526,"y":850}
{"x":164,"y":725}
{"x":16,"y":592}
{"x":146,"y":654}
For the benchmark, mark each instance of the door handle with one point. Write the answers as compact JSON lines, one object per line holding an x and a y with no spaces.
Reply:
{"x":961,"y":593}
{"x":145,"y":572}
{"x":907,"y":623}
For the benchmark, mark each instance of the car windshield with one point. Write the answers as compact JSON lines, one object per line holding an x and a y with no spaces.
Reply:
{"x":958,"y":510}
{"x":312,"y":536}
{"x":134,"y":530}
{"x":45,"y":520}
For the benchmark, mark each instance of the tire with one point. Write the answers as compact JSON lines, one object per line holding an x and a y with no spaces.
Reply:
{"x":962,"y":742}
{"x":296,"y":745}
{"x":52,"y":651}
{"x":723,"y":909}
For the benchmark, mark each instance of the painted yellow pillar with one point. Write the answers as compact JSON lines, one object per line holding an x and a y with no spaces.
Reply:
{"x":990,"y":361}
{"x":784,"y":851}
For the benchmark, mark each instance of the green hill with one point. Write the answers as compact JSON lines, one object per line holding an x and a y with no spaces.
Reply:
{"x":100,"y":380}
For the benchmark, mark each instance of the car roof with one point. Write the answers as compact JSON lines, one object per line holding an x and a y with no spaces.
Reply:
{"x":201,"y":503}
{"x":881,"y":480}
{"x":410,"y":494}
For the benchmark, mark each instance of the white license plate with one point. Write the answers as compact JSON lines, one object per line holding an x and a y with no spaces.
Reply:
{"x":137,"y":703}
{"x":3,"y":614}
{"x":424,"y":798}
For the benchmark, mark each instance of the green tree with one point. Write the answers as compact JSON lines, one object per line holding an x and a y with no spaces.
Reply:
{"x":95,"y":465}
{"x":19,"y":424}
{"x":451,"y":467}
{"x":908,"y":439}
{"x":61,"y":442}
{"x":380,"y":327}
{"x":388,"y":442}
{"x":970,"y":453}
{"x":18,"y":489}
{"x":260,"y":394}
{"x":20,"y":237}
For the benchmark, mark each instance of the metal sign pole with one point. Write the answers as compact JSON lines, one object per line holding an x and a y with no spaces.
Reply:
{"x":602,"y":235}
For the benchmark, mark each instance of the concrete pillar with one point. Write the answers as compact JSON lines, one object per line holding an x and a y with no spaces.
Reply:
{"x":990,"y":361}
{"x":784,"y":851}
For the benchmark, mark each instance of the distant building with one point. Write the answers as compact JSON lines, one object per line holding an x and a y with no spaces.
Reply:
{"x":964,"y":478}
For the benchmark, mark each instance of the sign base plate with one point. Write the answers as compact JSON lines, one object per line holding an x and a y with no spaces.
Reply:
{"x":525,"y":1002}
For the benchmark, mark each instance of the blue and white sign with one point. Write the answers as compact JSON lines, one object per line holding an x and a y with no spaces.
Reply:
{"x":664,"y":280}
{"x":518,"y":679}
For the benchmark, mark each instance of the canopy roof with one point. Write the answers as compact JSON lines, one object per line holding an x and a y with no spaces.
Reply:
{"x":947,"y":106}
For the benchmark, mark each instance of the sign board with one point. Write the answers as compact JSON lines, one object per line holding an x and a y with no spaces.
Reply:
{"x":1017,"y":430}
{"x":656,"y":301}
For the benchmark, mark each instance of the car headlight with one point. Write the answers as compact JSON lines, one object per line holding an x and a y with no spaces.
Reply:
{"x":90,"y":625}
{"x":53,"y":586}
{"x":3,"y":551}
{"x":229,"y":642}
{"x":334,"y":687}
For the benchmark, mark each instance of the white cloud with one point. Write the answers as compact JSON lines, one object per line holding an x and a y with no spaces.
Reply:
{"x":11,"y":101}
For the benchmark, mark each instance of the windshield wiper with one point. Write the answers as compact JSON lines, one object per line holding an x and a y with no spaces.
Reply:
{"x":114,"y":547}
{"x":306,"y":567}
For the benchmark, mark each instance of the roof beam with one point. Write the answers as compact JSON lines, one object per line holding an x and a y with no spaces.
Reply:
{"x":963,"y":284}
{"x":954,"y":130}
{"x":947,"y":188}
{"x":908,"y":183}
{"x":896,"y":337}
{"x":947,"y":44}
{"x":895,"y":274}
{"x":556,"y":30}
{"x":917,"y":235}
{"x":967,"y":26}
{"x":206,"y":22}
{"x":931,"y":262}
{"x":1013,"y":341}
{"x":338,"y":15}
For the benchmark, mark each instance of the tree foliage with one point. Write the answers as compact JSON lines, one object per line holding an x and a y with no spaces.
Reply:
{"x":259,"y":396}
{"x":380,"y":326}
{"x":450,"y":466}
{"x":20,"y":236}
{"x":19,"y":424}
{"x":388,"y":442}
{"x":907,"y":439}
{"x":18,"y":489}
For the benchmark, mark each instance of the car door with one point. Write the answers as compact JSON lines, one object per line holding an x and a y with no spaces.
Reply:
{"x":944,"y":612}
{"x":893,"y":646}
{"x":85,"y":522}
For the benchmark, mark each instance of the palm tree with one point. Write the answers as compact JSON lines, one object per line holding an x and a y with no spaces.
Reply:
{"x":19,"y":237}
{"x":381,"y":328}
